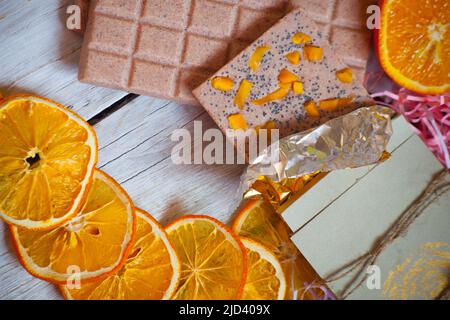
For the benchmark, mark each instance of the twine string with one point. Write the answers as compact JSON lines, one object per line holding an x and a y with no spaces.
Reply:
{"x":438,"y":186}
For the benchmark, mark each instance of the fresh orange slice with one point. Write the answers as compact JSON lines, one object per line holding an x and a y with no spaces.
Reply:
{"x":414,"y":44}
{"x":259,"y":221}
{"x":265,"y":278}
{"x":213,"y":259}
{"x":92,"y":244}
{"x":151,"y":270}
{"x":47,"y":159}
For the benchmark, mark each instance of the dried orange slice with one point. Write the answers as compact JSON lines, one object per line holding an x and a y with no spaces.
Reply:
{"x":92,"y":244}
{"x":213,"y":259}
{"x":259,"y":221}
{"x":47,"y":159}
{"x":265,"y":278}
{"x":414,"y":44}
{"x":151,"y":270}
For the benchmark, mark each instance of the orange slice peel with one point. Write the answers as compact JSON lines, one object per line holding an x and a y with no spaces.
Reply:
{"x":301,"y":38}
{"x":294,"y":57}
{"x":345,"y":75}
{"x":242,"y":94}
{"x":222,"y":83}
{"x":237,"y":122}
{"x":278,"y":94}
{"x":260,"y":222}
{"x":311,"y":109}
{"x":285,"y":76}
{"x":151,"y":270}
{"x":257,"y":56}
{"x":313,"y":53}
{"x":265,"y":278}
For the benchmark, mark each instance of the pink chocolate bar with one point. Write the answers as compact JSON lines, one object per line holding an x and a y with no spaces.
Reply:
{"x":343,"y":24}
{"x":319,"y":80}
{"x":165,"y":48}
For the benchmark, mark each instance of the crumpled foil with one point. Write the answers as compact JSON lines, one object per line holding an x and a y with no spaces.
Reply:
{"x":356,"y":139}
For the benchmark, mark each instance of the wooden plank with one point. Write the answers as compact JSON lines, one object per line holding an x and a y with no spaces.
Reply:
{"x":135,"y":148}
{"x":40,"y":55}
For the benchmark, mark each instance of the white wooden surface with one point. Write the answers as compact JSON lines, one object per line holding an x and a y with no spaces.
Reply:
{"x":38,"y":55}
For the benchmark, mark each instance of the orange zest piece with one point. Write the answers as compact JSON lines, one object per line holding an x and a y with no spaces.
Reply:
{"x":269,"y":126}
{"x":242,"y":94}
{"x":257,"y":56}
{"x":237,"y":122}
{"x":151,"y":270}
{"x":213,"y":259}
{"x":311,"y":109}
{"x":313,"y":53}
{"x":278,"y":94}
{"x":47,"y":159}
{"x":287,"y":76}
{"x":345,"y":75}
{"x":222,"y":83}
{"x":344,"y":102}
{"x":297,"y":87}
{"x":329,"y":104}
{"x":414,"y":44}
{"x":96,"y":241}
{"x":301,"y":38}
{"x":294,"y":57}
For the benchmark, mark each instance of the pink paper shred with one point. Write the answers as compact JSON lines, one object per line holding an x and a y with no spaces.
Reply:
{"x":430,"y":116}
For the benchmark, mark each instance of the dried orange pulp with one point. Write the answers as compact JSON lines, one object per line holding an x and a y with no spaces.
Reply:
{"x":151,"y":270}
{"x":414,"y":44}
{"x":47,"y":159}
{"x":93,"y":244}
{"x":259,"y":221}
{"x":213,"y":259}
{"x":265,"y":278}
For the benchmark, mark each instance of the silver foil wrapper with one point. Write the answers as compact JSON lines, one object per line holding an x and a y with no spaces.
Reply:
{"x":356,"y":139}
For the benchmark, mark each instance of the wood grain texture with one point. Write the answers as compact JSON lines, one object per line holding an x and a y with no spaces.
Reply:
{"x":136,"y":150}
{"x":40,"y":55}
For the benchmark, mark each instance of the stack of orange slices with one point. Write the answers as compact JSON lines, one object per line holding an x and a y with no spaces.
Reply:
{"x":73,"y":225}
